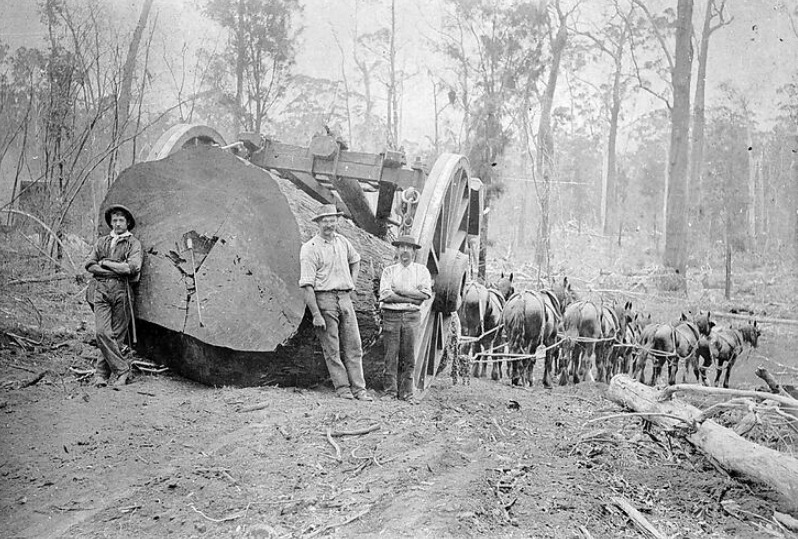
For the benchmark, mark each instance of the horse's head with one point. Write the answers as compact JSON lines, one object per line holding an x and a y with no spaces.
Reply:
{"x":564,"y":293}
{"x":505,"y":286}
{"x":703,"y":322}
{"x":625,"y":316}
{"x":751,"y":333}
{"x":642,"y":320}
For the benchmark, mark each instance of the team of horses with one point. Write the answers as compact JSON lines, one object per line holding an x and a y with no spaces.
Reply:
{"x":574,"y":337}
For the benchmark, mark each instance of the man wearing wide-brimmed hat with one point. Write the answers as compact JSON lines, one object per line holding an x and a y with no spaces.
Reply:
{"x":115,"y":262}
{"x":329,"y":267}
{"x":404,"y":287}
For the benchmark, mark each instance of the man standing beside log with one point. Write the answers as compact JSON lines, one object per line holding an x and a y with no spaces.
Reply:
{"x":115,"y":262}
{"x":329,"y":267}
{"x":404,"y":286}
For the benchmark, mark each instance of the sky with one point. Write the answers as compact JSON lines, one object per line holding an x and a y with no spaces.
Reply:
{"x":757,"y":52}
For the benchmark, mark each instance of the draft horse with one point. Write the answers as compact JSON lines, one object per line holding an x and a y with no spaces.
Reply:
{"x":530,"y":321}
{"x":480,"y":317}
{"x":725,"y":346}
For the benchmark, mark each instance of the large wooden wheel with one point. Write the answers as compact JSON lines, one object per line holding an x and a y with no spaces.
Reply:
{"x":183,"y":136}
{"x":448,"y":212}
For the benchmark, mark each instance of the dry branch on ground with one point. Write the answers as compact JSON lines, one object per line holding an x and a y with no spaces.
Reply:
{"x":730,"y":450}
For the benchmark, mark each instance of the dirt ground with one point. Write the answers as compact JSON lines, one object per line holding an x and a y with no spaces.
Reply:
{"x":165,"y":456}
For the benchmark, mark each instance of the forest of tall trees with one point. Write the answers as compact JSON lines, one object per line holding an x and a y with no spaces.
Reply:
{"x":600,"y":117}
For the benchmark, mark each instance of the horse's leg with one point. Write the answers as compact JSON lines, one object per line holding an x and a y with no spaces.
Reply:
{"x":603,"y":375}
{"x":483,"y":364}
{"x":673,"y":368}
{"x":718,"y":371}
{"x":472,"y":347}
{"x":495,"y":368}
{"x":565,"y":359}
{"x":591,"y":361}
{"x":688,"y":366}
{"x":639,"y":366}
{"x":728,"y":371}
{"x":576,"y":365}
{"x":599,"y":362}
{"x":548,"y":368}
{"x":655,"y":370}
{"x":703,"y":367}
{"x":626,"y":367}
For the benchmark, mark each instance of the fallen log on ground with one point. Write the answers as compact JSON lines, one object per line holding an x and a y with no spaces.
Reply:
{"x":732,"y":452}
{"x":759,"y":319}
{"x":772,"y":383}
{"x":776,"y":388}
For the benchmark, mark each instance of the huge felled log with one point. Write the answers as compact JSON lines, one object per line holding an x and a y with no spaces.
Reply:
{"x":733,"y":452}
{"x":246,"y":226}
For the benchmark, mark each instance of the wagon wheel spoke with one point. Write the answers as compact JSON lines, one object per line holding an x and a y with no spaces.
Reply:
{"x":442,"y":232}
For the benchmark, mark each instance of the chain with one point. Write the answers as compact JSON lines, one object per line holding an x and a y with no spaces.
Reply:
{"x":407,"y":209}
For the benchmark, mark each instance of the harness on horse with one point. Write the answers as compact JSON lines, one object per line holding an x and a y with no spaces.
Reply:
{"x":696,"y":333}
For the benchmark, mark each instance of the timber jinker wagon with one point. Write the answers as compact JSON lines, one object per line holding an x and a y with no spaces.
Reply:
{"x":222,"y":225}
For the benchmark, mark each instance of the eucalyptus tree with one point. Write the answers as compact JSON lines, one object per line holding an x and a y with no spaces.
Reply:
{"x":673,"y":68}
{"x":676,"y":229}
{"x":715,"y":18}
{"x":72,"y":103}
{"x":496,"y":53}
{"x":610,"y":37}
{"x":253,"y":70}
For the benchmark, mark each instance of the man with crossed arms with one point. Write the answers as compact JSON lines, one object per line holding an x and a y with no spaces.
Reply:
{"x":404,"y":286}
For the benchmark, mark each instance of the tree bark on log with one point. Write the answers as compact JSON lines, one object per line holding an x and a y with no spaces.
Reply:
{"x":731,"y":451}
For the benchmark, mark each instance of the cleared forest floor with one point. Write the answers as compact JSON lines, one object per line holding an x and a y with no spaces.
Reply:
{"x":164,"y":456}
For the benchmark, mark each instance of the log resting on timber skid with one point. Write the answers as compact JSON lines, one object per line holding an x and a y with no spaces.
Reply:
{"x":246,"y":226}
{"x":732,"y":452}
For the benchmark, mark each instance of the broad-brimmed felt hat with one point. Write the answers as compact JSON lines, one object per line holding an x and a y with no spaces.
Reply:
{"x":327,"y":210}
{"x":406,"y":240}
{"x":131,"y":221}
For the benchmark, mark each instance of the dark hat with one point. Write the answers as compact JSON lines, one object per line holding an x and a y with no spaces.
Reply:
{"x":327,"y":210}
{"x":406,"y":240}
{"x":131,"y":222}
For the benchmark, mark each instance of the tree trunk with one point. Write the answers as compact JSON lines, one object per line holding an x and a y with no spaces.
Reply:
{"x":130,"y":66}
{"x":545,"y":158}
{"x":752,"y":209}
{"x":609,"y":191}
{"x":731,"y":451}
{"x":676,"y":217}
{"x":241,"y":53}
{"x":699,"y":119}
{"x":393,"y":114}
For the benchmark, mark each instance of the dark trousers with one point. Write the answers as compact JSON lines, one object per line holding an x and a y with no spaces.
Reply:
{"x":111,"y":320}
{"x":400,"y":329}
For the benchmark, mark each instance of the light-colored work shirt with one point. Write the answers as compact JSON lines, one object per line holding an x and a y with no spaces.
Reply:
{"x":413,"y":277}
{"x":324,"y":265}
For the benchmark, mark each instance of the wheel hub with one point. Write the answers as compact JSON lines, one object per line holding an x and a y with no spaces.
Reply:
{"x":449,"y":283}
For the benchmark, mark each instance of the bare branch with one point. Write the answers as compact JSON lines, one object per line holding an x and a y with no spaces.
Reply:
{"x":659,"y":35}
